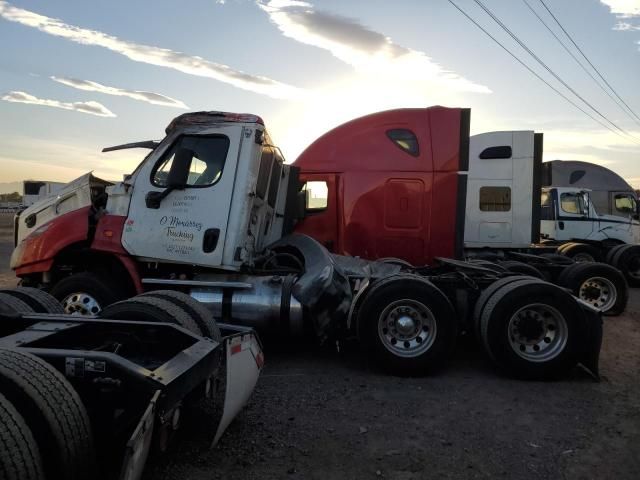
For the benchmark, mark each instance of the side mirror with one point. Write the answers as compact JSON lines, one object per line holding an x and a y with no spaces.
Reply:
{"x":179,"y":173}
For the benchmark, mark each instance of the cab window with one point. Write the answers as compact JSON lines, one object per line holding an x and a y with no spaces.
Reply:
{"x":573,"y":203}
{"x":208,"y":156}
{"x":316,"y":194}
{"x":625,"y":204}
{"x":405,"y":139}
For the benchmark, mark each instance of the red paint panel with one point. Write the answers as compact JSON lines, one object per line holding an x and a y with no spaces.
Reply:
{"x":108,"y":236}
{"x":46,"y":241}
{"x":390,"y":203}
{"x":108,"y":239}
{"x":403,"y":200}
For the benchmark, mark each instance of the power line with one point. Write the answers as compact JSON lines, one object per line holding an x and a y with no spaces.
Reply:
{"x":587,"y":59}
{"x":586,"y":70}
{"x":533,"y":72}
{"x":546,"y":67}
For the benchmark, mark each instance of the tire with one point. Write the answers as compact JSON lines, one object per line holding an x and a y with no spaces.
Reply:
{"x":423,"y":308}
{"x":38,"y":300}
{"x":581,"y":252}
{"x":487,"y":294}
{"x":612,"y":253}
{"x":149,"y":309}
{"x":53,"y":411}
{"x":553,"y":319}
{"x":627,"y":260}
{"x":598,"y":284}
{"x":11,"y":304}
{"x":522,"y":268}
{"x":19,"y":454}
{"x":86,"y":293}
{"x":200,"y":314}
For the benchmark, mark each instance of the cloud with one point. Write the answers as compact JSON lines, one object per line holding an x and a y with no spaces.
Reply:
{"x":92,"y":108}
{"x":625,"y":26}
{"x":623,"y":8}
{"x":359,"y":46}
{"x":162,"y":57}
{"x":149,"y":97}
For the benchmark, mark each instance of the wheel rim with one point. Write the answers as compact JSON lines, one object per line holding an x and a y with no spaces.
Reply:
{"x":599,"y":292}
{"x":583,"y":257}
{"x":81,"y":303}
{"x":407,"y":328}
{"x":537,"y":332}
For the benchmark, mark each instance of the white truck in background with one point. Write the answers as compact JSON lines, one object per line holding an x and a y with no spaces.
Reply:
{"x":36,"y":190}
{"x":508,"y":210}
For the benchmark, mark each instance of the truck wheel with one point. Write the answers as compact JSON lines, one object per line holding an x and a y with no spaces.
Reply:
{"x":487,"y":294}
{"x":200,"y":314}
{"x":11,"y":304}
{"x":598,"y":284}
{"x":53,"y":411}
{"x":532,"y":329}
{"x":407,"y":325}
{"x":396,"y":261}
{"x":523,"y":268}
{"x":38,"y":300}
{"x":85,"y":293}
{"x":581,"y":252}
{"x":149,"y":309}
{"x":627,"y":260}
{"x":19,"y":454}
{"x":612,"y":253}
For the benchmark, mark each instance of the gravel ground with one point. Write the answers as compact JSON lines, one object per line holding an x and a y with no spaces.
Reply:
{"x":317,"y":413}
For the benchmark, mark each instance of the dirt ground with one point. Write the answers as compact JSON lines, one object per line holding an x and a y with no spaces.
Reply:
{"x":320,"y":414}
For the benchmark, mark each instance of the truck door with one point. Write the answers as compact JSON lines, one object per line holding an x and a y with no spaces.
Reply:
{"x":189,"y":224}
{"x":321,"y":213}
{"x":572,"y":214}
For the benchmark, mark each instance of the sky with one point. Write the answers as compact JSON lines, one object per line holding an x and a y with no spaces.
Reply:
{"x":76,"y":76}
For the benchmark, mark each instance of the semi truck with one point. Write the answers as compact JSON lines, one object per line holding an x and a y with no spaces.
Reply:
{"x":384,"y":186}
{"x":211,"y":211}
{"x":90,"y":398}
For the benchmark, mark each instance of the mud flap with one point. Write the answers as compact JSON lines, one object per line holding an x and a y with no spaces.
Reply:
{"x":244,"y":360}
{"x":138,"y":446}
{"x":590,"y":356}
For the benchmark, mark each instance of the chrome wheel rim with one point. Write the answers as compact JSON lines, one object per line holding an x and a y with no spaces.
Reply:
{"x":407,"y":328}
{"x":537,"y":332}
{"x":583,"y":258}
{"x":81,"y":303}
{"x":599,"y":292}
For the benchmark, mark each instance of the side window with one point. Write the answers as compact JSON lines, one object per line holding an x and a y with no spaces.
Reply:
{"x":316,"y":194}
{"x":625,"y":204}
{"x":208,"y":156}
{"x":495,"y":199}
{"x":572,"y":203}
{"x":405,"y":139}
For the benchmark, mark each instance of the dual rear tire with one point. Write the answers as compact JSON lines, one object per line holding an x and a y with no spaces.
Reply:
{"x":530,"y":328}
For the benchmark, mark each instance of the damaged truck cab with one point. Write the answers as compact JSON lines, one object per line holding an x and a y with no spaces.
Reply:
{"x":211,"y":210}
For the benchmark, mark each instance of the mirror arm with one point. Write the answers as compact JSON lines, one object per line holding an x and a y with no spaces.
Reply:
{"x":153,"y":199}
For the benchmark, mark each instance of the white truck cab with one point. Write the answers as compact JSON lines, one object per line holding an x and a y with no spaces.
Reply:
{"x":212,"y":193}
{"x":569,"y":214}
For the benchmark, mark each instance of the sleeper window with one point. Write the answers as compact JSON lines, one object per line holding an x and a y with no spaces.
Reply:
{"x":495,"y":199}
